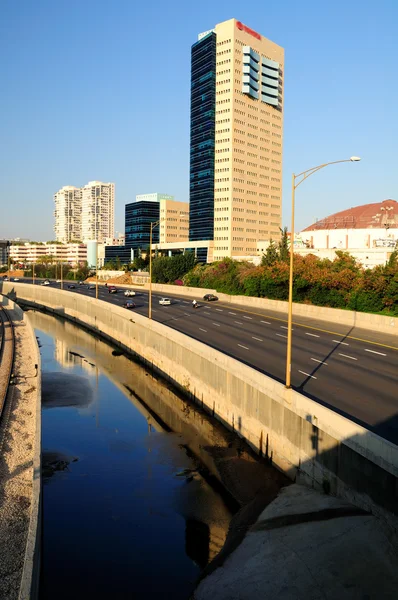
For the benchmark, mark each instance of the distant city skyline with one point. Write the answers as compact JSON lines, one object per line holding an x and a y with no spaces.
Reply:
{"x":137,"y":134}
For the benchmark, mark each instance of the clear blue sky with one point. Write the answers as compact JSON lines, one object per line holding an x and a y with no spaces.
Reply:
{"x":94,"y":89}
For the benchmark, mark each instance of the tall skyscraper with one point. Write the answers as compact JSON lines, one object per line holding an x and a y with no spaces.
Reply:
{"x":236,"y":139}
{"x":98,"y":211}
{"x":68,"y":214}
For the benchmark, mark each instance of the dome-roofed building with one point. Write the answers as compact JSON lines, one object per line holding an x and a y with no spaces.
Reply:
{"x":367,"y":227}
{"x":356,"y":227}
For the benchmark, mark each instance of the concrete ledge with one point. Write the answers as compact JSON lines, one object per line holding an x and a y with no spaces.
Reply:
{"x":309,"y":442}
{"x":30,"y":569}
{"x":29,"y":589}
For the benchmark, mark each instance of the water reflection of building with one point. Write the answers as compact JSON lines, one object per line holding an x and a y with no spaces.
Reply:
{"x":69,"y":359}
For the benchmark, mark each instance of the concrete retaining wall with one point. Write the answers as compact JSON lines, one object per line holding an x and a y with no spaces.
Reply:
{"x":29,"y":589}
{"x":29,"y":586}
{"x":304,"y":439}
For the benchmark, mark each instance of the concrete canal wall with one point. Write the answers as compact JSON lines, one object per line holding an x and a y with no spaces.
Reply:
{"x":20,"y":469}
{"x":307,"y":441}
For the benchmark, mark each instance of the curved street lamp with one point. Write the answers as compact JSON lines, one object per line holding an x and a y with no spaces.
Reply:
{"x":296,"y":180}
{"x":153,"y":225}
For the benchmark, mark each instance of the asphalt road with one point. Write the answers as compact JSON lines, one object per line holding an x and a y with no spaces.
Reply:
{"x":352,"y":371}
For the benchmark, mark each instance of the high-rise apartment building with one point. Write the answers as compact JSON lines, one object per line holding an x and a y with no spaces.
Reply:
{"x":236,"y":139}
{"x":174,"y":221}
{"x":68,"y":214}
{"x":98,"y":211}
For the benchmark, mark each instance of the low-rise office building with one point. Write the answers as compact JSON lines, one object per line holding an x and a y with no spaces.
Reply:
{"x":174,"y":221}
{"x":24,"y":254}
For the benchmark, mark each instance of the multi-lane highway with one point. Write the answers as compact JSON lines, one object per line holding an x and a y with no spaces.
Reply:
{"x":353,"y":371}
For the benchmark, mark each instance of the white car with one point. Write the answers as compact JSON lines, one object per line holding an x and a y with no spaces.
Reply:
{"x":129,"y":293}
{"x":16,"y":278}
{"x":58,"y":281}
{"x":46,"y":282}
{"x":165,"y":301}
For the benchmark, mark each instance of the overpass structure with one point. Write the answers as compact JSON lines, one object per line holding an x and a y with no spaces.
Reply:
{"x":305,"y":439}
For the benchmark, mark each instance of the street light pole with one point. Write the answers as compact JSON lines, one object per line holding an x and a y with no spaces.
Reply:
{"x":33,"y":269}
{"x":62,"y":279}
{"x":153,"y":224}
{"x":295,"y":183}
{"x":290,"y":302}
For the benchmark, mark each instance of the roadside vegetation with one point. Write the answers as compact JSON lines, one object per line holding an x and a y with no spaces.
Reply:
{"x":340,"y":283}
{"x":52,"y":271}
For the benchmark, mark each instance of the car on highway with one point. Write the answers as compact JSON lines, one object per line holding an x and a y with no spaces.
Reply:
{"x":210,"y":297}
{"x":58,"y":281}
{"x":165,"y":301}
{"x":5,"y":278}
{"x":81,"y":282}
{"x":129,"y":293}
{"x":91,"y":286}
{"x":45,"y":282}
{"x":129,"y":304}
{"x":16,"y":278}
{"x":112,"y":289}
{"x":71,"y":286}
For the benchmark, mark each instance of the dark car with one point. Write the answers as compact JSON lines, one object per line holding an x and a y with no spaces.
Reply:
{"x":91,"y":286}
{"x":81,"y":282}
{"x":129,"y":304}
{"x":71,"y":286}
{"x":210,"y":297}
{"x":112,"y":289}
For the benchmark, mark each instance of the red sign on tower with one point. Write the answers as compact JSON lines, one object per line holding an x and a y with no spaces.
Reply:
{"x":248,"y":30}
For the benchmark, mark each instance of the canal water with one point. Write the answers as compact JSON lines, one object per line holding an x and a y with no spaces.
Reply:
{"x":128,"y":511}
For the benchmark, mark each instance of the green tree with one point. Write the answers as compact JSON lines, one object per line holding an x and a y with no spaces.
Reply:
{"x":271,"y":255}
{"x":283,"y":246}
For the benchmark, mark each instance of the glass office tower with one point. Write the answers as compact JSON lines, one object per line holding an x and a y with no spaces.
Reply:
{"x":138,"y":219}
{"x":203,"y":104}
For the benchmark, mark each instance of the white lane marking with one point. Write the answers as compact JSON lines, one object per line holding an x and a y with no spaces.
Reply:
{"x":281,"y":335}
{"x":205,"y":330}
{"x":217,"y":324}
{"x":258,"y":339}
{"x":238,"y":322}
{"x":206,"y":313}
{"x":186,"y":302}
{"x":266,"y":322}
{"x":312,"y":334}
{"x":346,"y":356}
{"x":343,"y":343}
{"x":188,"y":314}
{"x":231,"y":313}
{"x":219,"y":309}
{"x":244,"y":316}
{"x":319,"y":361}
{"x":308,"y":375}
{"x":283,"y":327}
{"x":154,"y":310}
{"x":374,"y":352}
{"x":245,"y":347}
